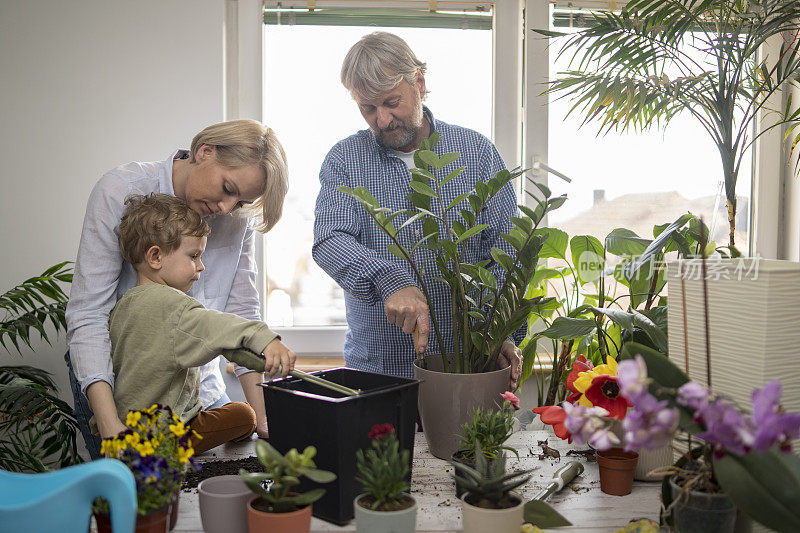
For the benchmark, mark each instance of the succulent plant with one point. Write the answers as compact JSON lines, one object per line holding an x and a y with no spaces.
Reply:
{"x":488,"y":484}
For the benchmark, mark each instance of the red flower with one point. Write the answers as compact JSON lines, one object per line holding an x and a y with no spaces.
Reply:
{"x":513,"y":400}
{"x":554,"y":415}
{"x":578,"y":366}
{"x":380,"y":430}
{"x":604,"y":392}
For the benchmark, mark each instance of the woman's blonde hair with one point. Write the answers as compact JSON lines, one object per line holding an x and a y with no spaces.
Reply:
{"x":241,"y":143}
{"x":377,"y":64}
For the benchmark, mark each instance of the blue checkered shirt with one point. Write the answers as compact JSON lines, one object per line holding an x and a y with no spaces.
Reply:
{"x":351,"y":248}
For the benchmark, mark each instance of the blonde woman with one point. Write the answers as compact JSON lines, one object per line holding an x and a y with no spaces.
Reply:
{"x":235,"y":168}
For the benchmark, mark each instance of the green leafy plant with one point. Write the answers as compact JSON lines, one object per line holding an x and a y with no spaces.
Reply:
{"x":487,"y":484}
{"x":382,"y":469}
{"x":37,"y":429}
{"x":589,"y":316}
{"x":488,"y":298}
{"x":489,"y":429}
{"x":658,"y":58}
{"x":282,"y":474}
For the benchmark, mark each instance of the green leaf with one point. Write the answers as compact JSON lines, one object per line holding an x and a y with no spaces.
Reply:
{"x":659,"y":367}
{"x":555,"y":244}
{"x":471,"y":231}
{"x":304,"y":499}
{"x":452,"y":175}
{"x":428,"y":157}
{"x":457,"y":200}
{"x":541,"y":515}
{"x":502,"y":258}
{"x":588,"y":257}
{"x":422,"y":189}
{"x":624,"y":242}
{"x":320,"y":476}
{"x":657,"y":246}
{"x":446,"y":159}
{"x":765,"y":486}
{"x":569,"y":328}
{"x":396,"y":251}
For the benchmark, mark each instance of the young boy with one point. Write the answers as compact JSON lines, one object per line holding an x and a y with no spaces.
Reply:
{"x":159,"y":335}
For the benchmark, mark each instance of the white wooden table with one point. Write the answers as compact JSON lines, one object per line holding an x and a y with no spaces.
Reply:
{"x":582,"y":503}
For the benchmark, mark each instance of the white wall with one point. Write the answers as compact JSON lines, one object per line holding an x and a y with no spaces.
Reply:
{"x":86,"y":86}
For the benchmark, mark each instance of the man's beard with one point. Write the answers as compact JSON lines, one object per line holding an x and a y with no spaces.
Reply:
{"x":406,"y":132}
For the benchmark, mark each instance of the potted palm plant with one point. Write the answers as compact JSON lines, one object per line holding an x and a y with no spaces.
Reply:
{"x":276,"y":507}
{"x":640,"y":68}
{"x":488,"y":303}
{"x":37,"y":428}
{"x":386,"y":505}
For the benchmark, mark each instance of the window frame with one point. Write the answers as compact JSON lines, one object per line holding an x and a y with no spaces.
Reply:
{"x":519,"y":124}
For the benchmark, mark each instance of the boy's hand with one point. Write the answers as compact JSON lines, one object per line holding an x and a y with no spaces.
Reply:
{"x":278,"y":356}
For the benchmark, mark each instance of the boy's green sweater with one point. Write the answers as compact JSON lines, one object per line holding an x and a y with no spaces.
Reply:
{"x":159,"y":336}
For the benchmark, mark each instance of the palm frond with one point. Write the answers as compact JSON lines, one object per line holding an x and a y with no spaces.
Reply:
{"x":32,"y":304}
{"x":37,"y":429}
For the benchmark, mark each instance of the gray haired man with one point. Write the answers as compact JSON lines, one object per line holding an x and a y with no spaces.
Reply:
{"x":387,"y":81}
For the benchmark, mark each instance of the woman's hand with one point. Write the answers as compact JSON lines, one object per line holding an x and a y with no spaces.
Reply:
{"x":511,"y":355}
{"x":278,"y":357}
{"x":101,"y":401}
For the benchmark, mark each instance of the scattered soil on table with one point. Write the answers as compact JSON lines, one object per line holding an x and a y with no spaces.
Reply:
{"x":220,"y":468}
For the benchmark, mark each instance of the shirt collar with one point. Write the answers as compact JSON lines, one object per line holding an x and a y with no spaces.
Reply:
{"x":165,"y":176}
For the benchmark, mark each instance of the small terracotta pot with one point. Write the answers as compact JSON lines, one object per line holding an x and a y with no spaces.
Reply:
{"x":152,"y":522}
{"x":616,"y":470}
{"x":294,"y":522}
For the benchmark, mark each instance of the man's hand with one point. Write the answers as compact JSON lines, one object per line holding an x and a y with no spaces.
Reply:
{"x":511,"y":355}
{"x":407,"y":309}
{"x":278,"y":356}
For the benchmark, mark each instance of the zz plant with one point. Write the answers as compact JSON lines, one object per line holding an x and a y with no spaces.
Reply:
{"x":488,"y":297}
{"x":37,"y":428}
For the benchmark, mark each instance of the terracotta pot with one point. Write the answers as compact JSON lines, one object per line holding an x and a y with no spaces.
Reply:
{"x":446,"y":401}
{"x":223,"y":504}
{"x":702,"y":511}
{"x":480,"y":520}
{"x":294,"y":522}
{"x":616,"y":470}
{"x":369,"y":521}
{"x":173,"y":509}
{"x":152,"y":522}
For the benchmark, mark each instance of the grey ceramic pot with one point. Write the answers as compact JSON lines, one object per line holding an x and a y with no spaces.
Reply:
{"x":369,"y":521}
{"x":223,"y":504}
{"x":447,"y":400}
{"x":701,"y":511}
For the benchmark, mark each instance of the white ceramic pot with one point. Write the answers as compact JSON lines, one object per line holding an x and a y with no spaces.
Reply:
{"x":369,"y":521}
{"x":753,"y":325}
{"x":652,"y":459}
{"x":480,"y":520}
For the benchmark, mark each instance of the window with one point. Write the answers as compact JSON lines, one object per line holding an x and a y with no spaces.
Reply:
{"x":635,"y":180}
{"x":310,"y":111}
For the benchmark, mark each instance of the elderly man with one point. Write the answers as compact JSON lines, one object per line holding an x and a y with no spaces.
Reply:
{"x":387,"y":81}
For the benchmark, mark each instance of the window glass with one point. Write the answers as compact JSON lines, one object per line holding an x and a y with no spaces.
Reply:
{"x":636,"y":180}
{"x":310,"y":110}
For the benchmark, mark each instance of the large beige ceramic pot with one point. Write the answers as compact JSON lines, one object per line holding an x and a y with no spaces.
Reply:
{"x":480,"y":520}
{"x":446,"y":401}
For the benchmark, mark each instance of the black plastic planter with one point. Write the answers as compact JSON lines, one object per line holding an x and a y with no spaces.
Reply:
{"x":302,"y":414}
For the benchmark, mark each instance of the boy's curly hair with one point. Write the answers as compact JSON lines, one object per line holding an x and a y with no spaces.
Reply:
{"x":156,"y":220}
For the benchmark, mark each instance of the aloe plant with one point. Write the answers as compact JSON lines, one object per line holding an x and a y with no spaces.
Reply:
{"x":37,"y":429}
{"x":658,"y":58}
{"x":282,"y":474}
{"x":488,"y":297}
{"x":488,"y":484}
